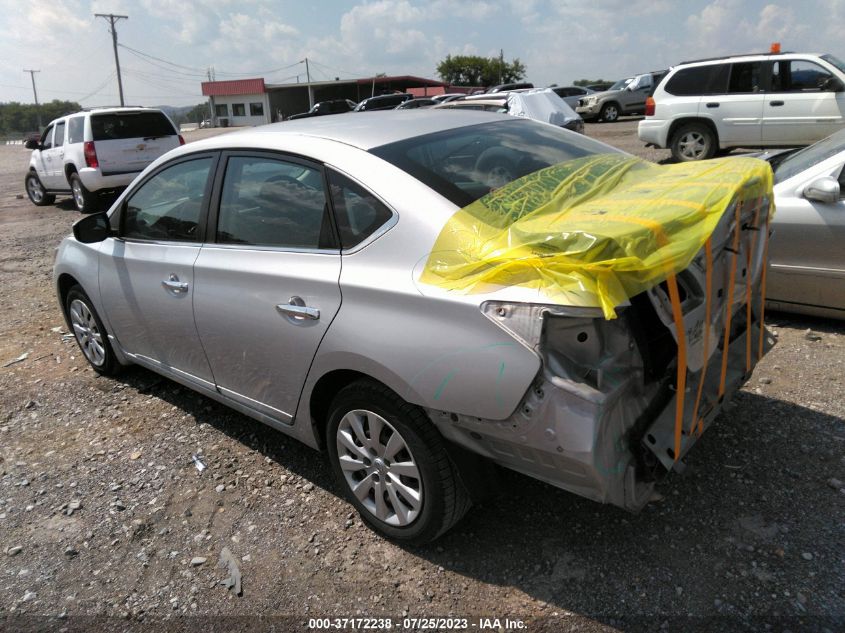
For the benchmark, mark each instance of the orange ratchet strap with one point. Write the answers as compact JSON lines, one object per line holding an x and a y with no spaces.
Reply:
{"x":708,"y":290}
{"x":763,"y":290}
{"x":730,"y":301}
{"x":748,"y":288}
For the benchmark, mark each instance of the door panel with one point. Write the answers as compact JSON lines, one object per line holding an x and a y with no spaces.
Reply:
{"x":268,"y":289}
{"x":740,"y":110}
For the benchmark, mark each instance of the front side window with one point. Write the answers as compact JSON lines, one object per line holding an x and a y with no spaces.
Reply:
{"x":221,"y":109}
{"x":256,"y":109}
{"x":800,"y":76}
{"x":47,"y":138}
{"x":272,"y":202}
{"x":358,"y":212}
{"x":59,"y":138}
{"x":75,"y":129}
{"x":238,"y":109}
{"x":745,"y":77}
{"x":168,"y":206}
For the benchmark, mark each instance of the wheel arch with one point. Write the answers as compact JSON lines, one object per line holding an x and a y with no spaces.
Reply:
{"x":64,"y":283}
{"x":692,"y":119}
{"x":70,"y":169}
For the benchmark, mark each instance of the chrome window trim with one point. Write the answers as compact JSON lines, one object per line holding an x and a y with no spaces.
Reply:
{"x":274,"y":249}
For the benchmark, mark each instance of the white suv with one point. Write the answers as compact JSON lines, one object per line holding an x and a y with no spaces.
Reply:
{"x":91,"y":152}
{"x":770,"y":100}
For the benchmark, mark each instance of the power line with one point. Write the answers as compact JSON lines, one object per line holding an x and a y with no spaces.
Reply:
{"x":202,"y":72}
{"x":112,"y":18}
{"x":98,"y":88}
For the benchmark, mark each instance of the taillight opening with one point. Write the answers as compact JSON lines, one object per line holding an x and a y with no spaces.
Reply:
{"x":90,"y":154}
{"x":649,"y":106}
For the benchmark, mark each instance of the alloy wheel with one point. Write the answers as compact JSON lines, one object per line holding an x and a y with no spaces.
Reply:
{"x":692,"y":145}
{"x":87,"y":333}
{"x":379,"y":468}
{"x":610,"y":114}
{"x":78,"y":197}
{"x":35,"y":190}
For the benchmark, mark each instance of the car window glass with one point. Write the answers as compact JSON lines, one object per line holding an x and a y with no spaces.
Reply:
{"x":814,"y":154}
{"x":800,"y":76}
{"x":271,"y":202}
{"x":842,"y":183}
{"x":745,"y":77}
{"x":107,"y":127}
{"x":698,"y":80}
{"x":358,"y":212}
{"x":47,"y":138}
{"x":59,"y":137}
{"x":75,"y":129}
{"x":168,"y":205}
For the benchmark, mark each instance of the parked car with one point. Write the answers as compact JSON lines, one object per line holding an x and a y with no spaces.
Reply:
{"x":383,"y":102}
{"x":96,"y":151}
{"x":524,"y":85}
{"x":334,"y":106}
{"x":806,"y":255}
{"x":449,"y":96}
{"x":223,"y":266}
{"x":538,"y":104}
{"x":412,"y":104}
{"x":572,"y":94}
{"x":770,"y":100}
{"x":625,"y":97}
{"x":205,"y":123}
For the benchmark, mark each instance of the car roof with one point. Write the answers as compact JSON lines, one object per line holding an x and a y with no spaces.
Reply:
{"x":363,"y":130}
{"x":745,"y":56}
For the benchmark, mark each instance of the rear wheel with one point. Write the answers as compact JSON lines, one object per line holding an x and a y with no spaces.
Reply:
{"x":90,"y":333}
{"x":392,"y":464}
{"x":86,"y":201}
{"x":36,"y":192}
{"x":693,"y":141}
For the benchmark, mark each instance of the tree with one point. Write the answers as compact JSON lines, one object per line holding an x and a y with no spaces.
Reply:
{"x":590,"y":82}
{"x":474,"y":70}
{"x":18,"y":118}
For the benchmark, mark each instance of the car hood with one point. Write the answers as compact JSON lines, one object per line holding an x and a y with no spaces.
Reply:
{"x":592,"y":232}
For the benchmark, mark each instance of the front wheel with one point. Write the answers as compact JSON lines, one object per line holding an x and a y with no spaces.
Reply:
{"x":36,"y":192}
{"x":693,"y":141}
{"x":90,"y":333}
{"x":86,"y":201}
{"x":609,"y":113}
{"x":392,"y":464}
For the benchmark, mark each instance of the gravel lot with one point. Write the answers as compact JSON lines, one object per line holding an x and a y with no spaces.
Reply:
{"x":103,"y":513}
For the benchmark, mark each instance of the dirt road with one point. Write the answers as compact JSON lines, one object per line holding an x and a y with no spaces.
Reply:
{"x":105,"y":521}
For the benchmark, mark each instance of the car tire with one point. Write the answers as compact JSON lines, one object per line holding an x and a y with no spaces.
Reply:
{"x":91,"y":335}
{"x":36,"y":192}
{"x":86,"y":201}
{"x":381,"y":446}
{"x":693,"y":141}
{"x":609,"y":113}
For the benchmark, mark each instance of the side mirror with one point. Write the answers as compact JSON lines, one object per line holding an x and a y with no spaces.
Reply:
{"x":32,"y":144}
{"x":824,"y":189}
{"x":92,"y":228}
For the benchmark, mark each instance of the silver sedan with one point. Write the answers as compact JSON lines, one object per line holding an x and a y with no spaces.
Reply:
{"x":277,"y":270}
{"x":807,"y":254}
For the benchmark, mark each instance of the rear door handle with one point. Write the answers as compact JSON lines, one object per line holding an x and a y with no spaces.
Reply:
{"x":776,"y":103}
{"x":296,"y":308}
{"x":712,"y":104}
{"x":174,"y":285}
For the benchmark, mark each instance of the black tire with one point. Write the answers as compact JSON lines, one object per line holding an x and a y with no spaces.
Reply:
{"x":443,"y":497}
{"x":86,"y":201}
{"x":693,"y":141}
{"x":36,"y":192}
{"x":108,"y":365}
{"x":610,"y":112}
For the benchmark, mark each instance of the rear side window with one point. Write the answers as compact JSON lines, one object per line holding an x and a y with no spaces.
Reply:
{"x":745,"y":77}
{"x":168,"y":206}
{"x":75,"y":129}
{"x":699,"y":80}
{"x":271,"y":202}
{"x":119,"y":125}
{"x":60,"y":135}
{"x":359,"y":213}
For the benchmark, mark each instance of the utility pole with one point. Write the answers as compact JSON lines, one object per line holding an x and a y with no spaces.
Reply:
{"x":501,"y":64}
{"x":112,"y":18}
{"x":310,"y":89}
{"x":212,"y":114}
{"x":35,"y":94}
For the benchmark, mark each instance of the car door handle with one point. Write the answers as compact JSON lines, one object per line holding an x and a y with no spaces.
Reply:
{"x":297,"y":311}
{"x":712,"y":104}
{"x":174,"y":285}
{"x":776,"y":103}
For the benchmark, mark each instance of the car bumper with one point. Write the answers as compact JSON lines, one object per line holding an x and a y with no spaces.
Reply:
{"x":588,"y":113}
{"x":654,"y":132}
{"x":94,"y":180}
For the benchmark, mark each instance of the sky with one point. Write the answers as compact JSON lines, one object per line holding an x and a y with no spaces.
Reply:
{"x":172,"y":43}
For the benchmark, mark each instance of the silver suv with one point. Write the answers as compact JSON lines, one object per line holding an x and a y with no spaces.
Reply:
{"x":626,"y":96}
{"x":97,"y":151}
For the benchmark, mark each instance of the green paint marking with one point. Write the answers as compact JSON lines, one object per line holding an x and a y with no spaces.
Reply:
{"x":443,"y":384}
{"x":499,"y":382}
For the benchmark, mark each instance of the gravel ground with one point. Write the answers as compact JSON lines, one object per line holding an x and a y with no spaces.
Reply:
{"x":106,"y":523}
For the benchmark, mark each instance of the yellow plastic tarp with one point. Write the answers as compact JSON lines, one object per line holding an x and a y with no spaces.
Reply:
{"x":594,"y":231}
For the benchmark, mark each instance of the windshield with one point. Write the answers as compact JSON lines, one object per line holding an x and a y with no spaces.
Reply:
{"x":466,"y":163}
{"x":830,"y":59}
{"x":621,"y":84}
{"x":809,"y":156}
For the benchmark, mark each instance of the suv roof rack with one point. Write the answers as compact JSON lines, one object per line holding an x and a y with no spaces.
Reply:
{"x":713,"y":59}
{"x":107,"y":107}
